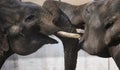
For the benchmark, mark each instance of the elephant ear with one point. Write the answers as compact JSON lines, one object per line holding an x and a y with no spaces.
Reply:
{"x":4,"y":46}
{"x":53,"y":9}
{"x":60,"y":19}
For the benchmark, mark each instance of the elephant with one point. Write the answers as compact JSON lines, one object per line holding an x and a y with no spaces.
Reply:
{"x":25,"y":26}
{"x":100,"y":20}
{"x":70,"y":45}
{"x":102,"y":29}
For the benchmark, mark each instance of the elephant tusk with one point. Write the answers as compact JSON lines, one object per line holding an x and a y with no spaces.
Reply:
{"x":68,"y":35}
{"x":80,"y":31}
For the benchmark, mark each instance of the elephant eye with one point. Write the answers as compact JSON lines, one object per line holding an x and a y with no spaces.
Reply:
{"x":110,"y":22}
{"x":30,"y":18}
{"x":108,"y":25}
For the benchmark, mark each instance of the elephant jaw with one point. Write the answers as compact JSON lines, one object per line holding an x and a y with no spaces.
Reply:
{"x":71,"y":35}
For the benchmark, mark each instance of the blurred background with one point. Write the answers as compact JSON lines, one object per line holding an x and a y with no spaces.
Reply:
{"x":50,"y":57}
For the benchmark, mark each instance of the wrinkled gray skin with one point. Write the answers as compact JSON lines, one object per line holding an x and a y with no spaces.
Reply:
{"x":74,"y":13}
{"x":24,"y":27}
{"x":102,"y":29}
{"x":71,"y":47}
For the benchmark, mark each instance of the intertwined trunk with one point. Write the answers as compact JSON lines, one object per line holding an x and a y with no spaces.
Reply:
{"x":70,"y":52}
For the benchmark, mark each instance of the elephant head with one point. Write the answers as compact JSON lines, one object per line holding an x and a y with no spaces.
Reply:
{"x":27,"y":25}
{"x":102,"y":29}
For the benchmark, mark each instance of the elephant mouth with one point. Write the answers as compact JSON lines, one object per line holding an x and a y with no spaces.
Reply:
{"x":77,"y":35}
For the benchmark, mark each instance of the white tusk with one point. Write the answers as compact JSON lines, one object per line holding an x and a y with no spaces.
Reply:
{"x":69,"y":35}
{"x":80,"y":31}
